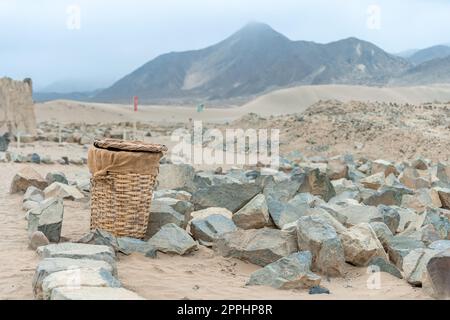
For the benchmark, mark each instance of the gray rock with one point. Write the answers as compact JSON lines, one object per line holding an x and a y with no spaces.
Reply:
{"x":315,"y":234}
{"x":254,"y":215}
{"x":383,"y":232}
{"x":29,"y":205}
{"x":440,"y":245}
{"x":33,"y":194}
{"x":438,"y":275}
{"x":129,"y":245}
{"x":209,"y":229}
{"x":385,"y":266}
{"x":63,"y":191}
{"x":38,"y":239}
{"x":93,"y":293}
{"x":4,"y":142}
{"x":51,"y":265}
{"x":440,"y":223}
{"x":258,"y":246}
{"x":414,"y":265}
{"x":399,"y":247}
{"x":56,"y":176}
{"x":283,"y":213}
{"x":291,"y":272}
{"x":391,"y":217}
{"x":175,"y":194}
{"x":357,"y":214}
{"x":78,"y":278}
{"x":232,"y":196}
{"x":48,"y":218}
{"x":173,"y":239}
{"x":73,"y":250}
{"x":162,"y":212}
{"x":318,"y":290}
{"x":444,"y":196}
{"x":175,"y":177}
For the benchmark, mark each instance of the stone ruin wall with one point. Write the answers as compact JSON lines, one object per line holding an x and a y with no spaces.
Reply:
{"x":16,"y":107}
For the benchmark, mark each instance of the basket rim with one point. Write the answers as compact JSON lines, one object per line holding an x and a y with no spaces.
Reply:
{"x":128,"y":145}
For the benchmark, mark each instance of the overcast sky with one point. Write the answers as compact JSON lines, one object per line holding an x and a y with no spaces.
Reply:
{"x":41,"y":39}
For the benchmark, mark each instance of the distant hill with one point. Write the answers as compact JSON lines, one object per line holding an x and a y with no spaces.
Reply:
{"x":254,"y":60}
{"x":424,"y":55}
{"x":433,"y":71}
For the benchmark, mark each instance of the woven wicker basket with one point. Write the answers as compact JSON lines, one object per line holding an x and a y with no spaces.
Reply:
{"x":123,"y":176}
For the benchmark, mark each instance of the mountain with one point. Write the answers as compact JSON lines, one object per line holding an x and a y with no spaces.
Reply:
{"x":433,"y":71}
{"x":254,"y":60}
{"x":424,"y":55}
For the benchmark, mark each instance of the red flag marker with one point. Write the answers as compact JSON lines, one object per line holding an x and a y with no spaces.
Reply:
{"x":135,"y":103}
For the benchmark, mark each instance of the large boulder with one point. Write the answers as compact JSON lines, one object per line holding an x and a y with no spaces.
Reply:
{"x":391,"y":217}
{"x":374,"y":181}
{"x":440,"y":222}
{"x":283,"y":213}
{"x":361,"y":245}
{"x":51,"y":265}
{"x":382,"y":231}
{"x":173,"y":239}
{"x":422,"y":199}
{"x":356,"y":214}
{"x":94,"y":293}
{"x":437,"y":275}
{"x":25,"y":178}
{"x":291,"y":272}
{"x":253,"y":215}
{"x":415,"y":263}
{"x":78,"y":278}
{"x":444,"y":196}
{"x":399,"y":247}
{"x":414,"y":179}
{"x":47,"y":218}
{"x":209,"y":229}
{"x":258,"y":246}
{"x":232,"y":196}
{"x":316,"y":235}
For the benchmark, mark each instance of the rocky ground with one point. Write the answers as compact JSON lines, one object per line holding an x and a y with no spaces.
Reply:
{"x":343,"y":218}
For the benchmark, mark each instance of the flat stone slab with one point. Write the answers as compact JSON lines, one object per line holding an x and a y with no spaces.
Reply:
{"x":77,"y":251}
{"x":94,"y":293}
{"x":78,"y":278}
{"x":50,"y":265}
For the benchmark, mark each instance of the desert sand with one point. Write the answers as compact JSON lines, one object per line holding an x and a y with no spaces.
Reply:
{"x":285,"y":101}
{"x":201,"y":275}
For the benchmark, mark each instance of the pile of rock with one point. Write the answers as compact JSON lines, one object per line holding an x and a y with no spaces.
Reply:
{"x":315,"y":216}
{"x":36,"y":158}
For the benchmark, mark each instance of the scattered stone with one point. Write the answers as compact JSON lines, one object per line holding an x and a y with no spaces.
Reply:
{"x":388,"y":197}
{"x":318,"y":290}
{"x":93,"y":293}
{"x":315,"y":234}
{"x":33,"y":194}
{"x":383,"y":166}
{"x":283,"y":213}
{"x":73,"y":250}
{"x":78,"y":278}
{"x":421,"y":200}
{"x":412,"y":178}
{"x":173,"y":239}
{"x":258,"y":246}
{"x":129,"y":245}
{"x":361,"y":245}
{"x":175,"y":194}
{"x":162,"y":213}
{"x":25,"y":178}
{"x":38,"y":239}
{"x":209,"y":229}
{"x":440,"y":222}
{"x":382,"y":231}
{"x":291,"y":272}
{"x":56,"y":176}
{"x":253,"y":215}
{"x":47,"y":218}
{"x":357,"y":214}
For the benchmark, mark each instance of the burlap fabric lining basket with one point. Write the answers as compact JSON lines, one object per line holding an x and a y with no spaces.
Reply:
{"x":123,"y":176}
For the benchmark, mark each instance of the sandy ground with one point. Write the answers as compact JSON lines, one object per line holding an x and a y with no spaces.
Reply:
{"x":201,"y":275}
{"x":285,"y":101}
